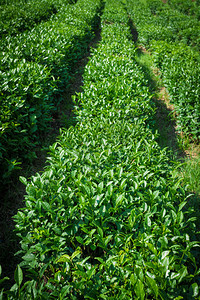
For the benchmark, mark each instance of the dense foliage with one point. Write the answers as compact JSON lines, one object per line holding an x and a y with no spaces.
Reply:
{"x":107,"y":219}
{"x":36,"y":66}
{"x":188,"y":7}
{"x":170,"y":35}
{"x":17,"y":17}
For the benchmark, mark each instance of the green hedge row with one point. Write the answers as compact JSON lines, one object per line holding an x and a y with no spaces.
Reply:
{"x":36,"y":66}
{"x":17,"y":17}
{"x":8,"y":2}
{"x":181,"y":75}
{"x":163,"y":31}
{"x":159,"y":21}
{"x":107,"y":218}
{"x":187,"y":7}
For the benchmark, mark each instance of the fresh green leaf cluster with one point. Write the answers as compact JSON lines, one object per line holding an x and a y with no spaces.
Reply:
{"x":9,"y":2}
{"x":187,"y":7}
{"x":17,"y":17}
{"x":181,"y":75}
{"x":36,"y":66}
{"x":107,"y":219}
{"x":158,"y":21}
{"x":161,"y":29}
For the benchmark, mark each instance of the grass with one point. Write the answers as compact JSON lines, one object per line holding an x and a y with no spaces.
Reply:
{"x":191,"y":174}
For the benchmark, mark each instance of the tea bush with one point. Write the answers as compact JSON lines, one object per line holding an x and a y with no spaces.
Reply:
{"x":17,"y":17}
{"x":180,"y":73}
{"x":187,"y":7}
{"x":168,"y":34}
{"x":107,"y":218}
{"x":36,"y":66}
{"x":158,"y":21}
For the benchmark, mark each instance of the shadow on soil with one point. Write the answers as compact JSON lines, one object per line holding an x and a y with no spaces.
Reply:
{"x":164,"y":121}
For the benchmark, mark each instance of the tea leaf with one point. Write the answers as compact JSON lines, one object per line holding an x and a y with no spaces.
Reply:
{"x":18,"y":276}
{"x":23,"y":180}
{"x":195,"y":289}
{"x":152,"y":285}
{"x":139,"y":289}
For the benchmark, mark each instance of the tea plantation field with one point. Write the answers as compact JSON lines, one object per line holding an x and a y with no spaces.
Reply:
{"x":108,"y":218}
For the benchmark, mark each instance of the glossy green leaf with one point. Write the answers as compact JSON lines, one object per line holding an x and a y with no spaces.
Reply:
{"x":23,"y":180}
{"x":152,"y":285}
{"x":139,"y":290}
{"x":195,"y":289}
{"x":18,"y":276}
